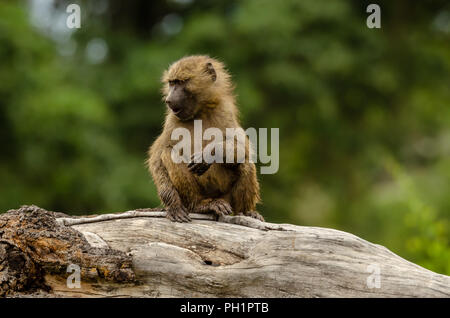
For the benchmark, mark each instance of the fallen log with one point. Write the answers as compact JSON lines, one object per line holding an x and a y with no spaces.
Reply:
{"x":142,"y":254}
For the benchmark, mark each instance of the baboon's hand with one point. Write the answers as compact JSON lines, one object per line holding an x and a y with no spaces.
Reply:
{"x":178,"y":214}
{"x":220,"y":207}
{"x":197,"y":165}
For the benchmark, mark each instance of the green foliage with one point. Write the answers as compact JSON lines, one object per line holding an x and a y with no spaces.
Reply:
{"x":363,"y":113}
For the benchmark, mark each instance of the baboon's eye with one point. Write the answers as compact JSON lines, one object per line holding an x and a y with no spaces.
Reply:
{"x":178,"y":82}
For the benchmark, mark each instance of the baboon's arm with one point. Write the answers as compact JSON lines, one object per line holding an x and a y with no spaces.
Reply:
{"x":239,"y":151}
{"x":166,"y":191}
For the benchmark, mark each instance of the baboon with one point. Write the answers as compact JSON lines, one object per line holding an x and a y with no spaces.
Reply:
{"x":199,"y":88}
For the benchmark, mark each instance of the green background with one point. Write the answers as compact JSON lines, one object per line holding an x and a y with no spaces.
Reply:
{"x":364,"y":114}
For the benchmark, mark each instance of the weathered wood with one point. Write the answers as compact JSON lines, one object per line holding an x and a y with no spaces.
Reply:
{"x":142,"y":254}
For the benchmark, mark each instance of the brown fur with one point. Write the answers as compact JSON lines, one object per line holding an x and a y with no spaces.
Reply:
{"x":223,"y":188}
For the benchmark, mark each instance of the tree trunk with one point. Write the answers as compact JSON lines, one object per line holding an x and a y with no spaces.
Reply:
{"x":142,"y":254}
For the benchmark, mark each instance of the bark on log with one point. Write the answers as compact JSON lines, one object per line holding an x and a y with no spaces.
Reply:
{"x":142,"y":254}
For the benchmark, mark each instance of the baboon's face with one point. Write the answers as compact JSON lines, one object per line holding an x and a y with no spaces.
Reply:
{"x":187,"y":86}
{"x":180,"y":100}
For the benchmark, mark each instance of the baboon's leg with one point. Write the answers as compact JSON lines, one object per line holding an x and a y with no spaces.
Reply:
{"x":169,"y":196}
{"x":167,"y":192}
{"x":245,"y":192}
{"x":183,"y":180}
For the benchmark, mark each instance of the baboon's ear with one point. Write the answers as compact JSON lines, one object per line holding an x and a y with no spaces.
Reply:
{"x":210,"y":70}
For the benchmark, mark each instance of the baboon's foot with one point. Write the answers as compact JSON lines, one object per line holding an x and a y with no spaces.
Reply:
{"x":220,"y":207}
{"x":217,"y":206}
